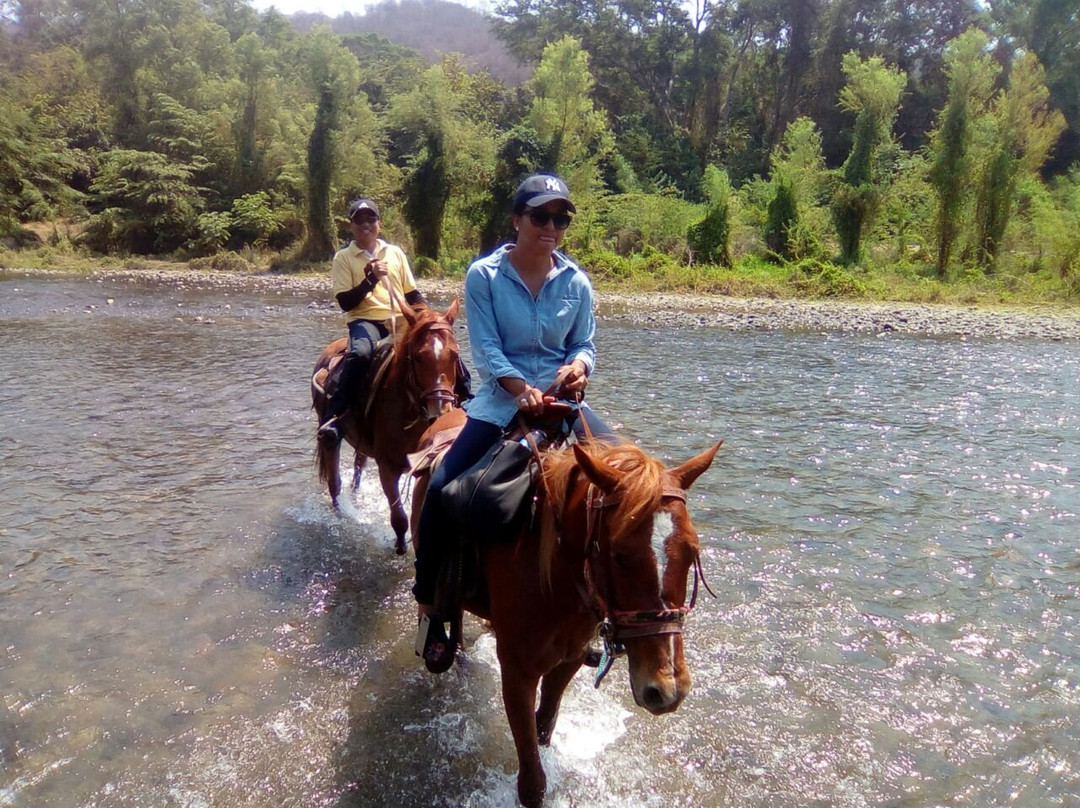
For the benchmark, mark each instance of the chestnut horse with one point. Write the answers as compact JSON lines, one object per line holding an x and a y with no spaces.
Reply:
{"x":612,"y":551}
{"x":414,"y":389}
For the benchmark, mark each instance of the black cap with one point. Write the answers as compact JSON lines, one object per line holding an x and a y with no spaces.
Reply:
{"x":539,"y":189}
{"x":363,"y":203}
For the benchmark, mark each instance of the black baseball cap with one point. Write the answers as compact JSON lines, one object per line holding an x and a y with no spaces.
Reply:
{"x":363,"y":203}
{"x":539,"y":189}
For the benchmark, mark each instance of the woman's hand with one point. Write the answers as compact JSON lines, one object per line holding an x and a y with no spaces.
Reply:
{"x":576,"y":379}
{"x":530,"y":401}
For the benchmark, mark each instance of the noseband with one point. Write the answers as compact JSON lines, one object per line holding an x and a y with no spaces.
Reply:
{"x":438,"y":392}
{"x":617,"y":625}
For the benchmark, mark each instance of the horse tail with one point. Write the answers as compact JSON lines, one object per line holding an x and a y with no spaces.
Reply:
{"x":324,"y":462}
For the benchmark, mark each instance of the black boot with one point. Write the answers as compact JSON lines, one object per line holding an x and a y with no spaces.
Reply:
{"x":331,"y":430}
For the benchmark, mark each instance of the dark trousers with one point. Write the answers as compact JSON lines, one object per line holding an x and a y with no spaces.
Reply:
{"x":363,"y":334}
{"x":475,"y":439}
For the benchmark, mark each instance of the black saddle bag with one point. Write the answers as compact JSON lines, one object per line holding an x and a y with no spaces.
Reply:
{"x":491,"y":498}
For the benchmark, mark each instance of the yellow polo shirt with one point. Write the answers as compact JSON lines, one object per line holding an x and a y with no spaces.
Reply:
{"x":347,"y":271}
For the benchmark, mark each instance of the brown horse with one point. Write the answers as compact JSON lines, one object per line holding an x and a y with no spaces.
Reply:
{"x":414,"y":388}
{"x":612,"y":551}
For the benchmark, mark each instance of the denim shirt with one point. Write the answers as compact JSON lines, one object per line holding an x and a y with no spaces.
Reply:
{"x":514,"y":335}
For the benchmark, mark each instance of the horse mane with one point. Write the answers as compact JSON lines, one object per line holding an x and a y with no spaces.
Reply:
{"x":640,"y":491}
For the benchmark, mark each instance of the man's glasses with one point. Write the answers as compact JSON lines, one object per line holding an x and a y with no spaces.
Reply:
{"x":540,"y":218}
{"x":365,"y":218}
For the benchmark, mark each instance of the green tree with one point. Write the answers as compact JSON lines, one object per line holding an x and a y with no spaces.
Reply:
{"x":782,"y":219}
{"x":1050,"y":29}
{"x":1023,"y":128}
{"x":873,"y":95}
{"x":143,"y":203}
{"x":333,"y":74}
{"x":34,"y":170}
{"x":447,"y":158}
{"x":795,"y":216}
{"x":562,"y":114}
{"x":710,"y":238}
{"x":971,"y":73}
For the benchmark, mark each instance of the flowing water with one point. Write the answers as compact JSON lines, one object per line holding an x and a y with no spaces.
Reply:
{"x":891,"y":529}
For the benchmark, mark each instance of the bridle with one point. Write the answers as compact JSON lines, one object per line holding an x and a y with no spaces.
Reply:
{"x":617,"y":625}
{"x":439,"y":392}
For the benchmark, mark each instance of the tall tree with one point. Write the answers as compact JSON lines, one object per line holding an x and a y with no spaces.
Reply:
{"x":333,"y":75}
{"x":873,"y":95}
{"x":447,"y":156}
{"x":1024,"y":129}
{"x":1051,"y":30}
{"x":564,"y":118}
{"x":971,"y":73}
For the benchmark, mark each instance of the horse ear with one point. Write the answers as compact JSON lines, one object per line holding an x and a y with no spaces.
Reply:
{"x":452,"y":312}
{"x":599,"y":473}
{"x":695,"y":466}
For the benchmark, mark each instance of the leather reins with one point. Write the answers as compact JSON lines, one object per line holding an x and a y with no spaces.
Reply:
{"x":617,"y":625}
{"x":439,"y":391}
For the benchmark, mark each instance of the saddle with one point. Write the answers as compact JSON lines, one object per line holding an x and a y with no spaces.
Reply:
{"x":489,"y":502}
{"x":328,"y":378}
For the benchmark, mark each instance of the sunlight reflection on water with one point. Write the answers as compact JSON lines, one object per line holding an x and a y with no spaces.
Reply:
{"x":890,"y":529}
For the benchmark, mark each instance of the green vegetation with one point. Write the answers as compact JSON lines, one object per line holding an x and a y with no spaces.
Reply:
{"x":889,"y":150}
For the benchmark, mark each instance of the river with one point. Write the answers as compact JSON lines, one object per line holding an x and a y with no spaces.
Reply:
{"x":891,"y":530}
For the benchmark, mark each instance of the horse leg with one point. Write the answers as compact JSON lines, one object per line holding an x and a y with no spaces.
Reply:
{"x":358,"y":467}
{"x":519,"y":699}
{"x":552,"y":687}
{"x":398,"y":519}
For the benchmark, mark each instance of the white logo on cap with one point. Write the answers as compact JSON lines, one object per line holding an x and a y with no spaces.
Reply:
{"x":552,"y":184}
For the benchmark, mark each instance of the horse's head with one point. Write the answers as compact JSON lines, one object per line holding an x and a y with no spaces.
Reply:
{"x":427,"y":354}
{"x":641,"y":546}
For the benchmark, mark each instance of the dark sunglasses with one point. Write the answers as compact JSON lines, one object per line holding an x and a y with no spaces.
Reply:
{"x":365,"y":218}
{"x":540,"y":218}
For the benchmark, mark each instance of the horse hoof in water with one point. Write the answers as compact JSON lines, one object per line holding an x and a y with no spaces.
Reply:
{"x":399,"y":546}
{"x":531,"y":790}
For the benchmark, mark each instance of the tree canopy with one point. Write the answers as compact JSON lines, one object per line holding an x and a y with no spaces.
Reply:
{"x":937,"y":131}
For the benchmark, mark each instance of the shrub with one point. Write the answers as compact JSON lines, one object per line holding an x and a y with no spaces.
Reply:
{"x":782,"y":216}
{"x":815,"y":278}
{"x":221,"y":262}
{"x":211,"y":233}
{"x":710,"y":238}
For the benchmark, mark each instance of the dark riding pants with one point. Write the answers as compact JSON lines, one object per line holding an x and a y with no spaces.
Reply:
{"x":363,"y":334}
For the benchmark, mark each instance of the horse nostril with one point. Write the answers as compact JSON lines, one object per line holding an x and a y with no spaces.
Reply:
{"x":653,"y":698}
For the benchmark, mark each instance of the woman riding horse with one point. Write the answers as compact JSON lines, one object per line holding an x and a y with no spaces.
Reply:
{"x":611,"y":550}
{"x":530,"y":321}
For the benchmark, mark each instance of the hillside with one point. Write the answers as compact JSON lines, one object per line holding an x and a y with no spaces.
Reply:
{"x":432,"y":27}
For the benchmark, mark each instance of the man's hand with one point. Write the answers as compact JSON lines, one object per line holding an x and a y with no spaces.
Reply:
{"x":377,"y":269}
{"x":576,"y":380}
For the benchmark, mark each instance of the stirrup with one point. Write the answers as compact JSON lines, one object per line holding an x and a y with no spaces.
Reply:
{"x":329,"y":433}
{"x":433,"y":644}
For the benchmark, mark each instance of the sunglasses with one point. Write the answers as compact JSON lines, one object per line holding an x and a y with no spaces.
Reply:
{"x":365,"y":218}
{"x":540,"y":218}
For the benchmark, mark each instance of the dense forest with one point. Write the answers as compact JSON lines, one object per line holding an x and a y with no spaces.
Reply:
{"x":846,"y":147}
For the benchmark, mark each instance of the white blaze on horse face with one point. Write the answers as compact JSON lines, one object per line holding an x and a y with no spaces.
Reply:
{"x":662,"y":527}
{"x":437,"y":347}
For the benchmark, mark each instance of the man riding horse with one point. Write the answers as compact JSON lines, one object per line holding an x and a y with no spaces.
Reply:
{"x":362,"y":274}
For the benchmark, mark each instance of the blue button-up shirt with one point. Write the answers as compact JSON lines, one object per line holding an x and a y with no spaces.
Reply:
{"x":513,"y":334}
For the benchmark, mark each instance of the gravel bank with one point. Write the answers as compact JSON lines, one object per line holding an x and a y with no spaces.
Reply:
{"x":702,"y":311}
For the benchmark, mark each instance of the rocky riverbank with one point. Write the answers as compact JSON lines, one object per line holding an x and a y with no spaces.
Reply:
{"x":700,"y":311}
